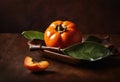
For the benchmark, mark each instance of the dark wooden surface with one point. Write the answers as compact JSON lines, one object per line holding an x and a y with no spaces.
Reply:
{"x":14,"y":48}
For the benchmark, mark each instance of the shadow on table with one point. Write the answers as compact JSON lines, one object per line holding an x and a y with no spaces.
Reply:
{"x":44,"y":72}
{"x":107,"y":63}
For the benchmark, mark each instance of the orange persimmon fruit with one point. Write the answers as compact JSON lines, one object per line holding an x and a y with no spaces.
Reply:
{"x":35,"y":66}
{"x":62,"y":34}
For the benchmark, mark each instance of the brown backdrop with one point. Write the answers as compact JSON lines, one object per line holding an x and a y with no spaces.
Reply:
{"x":91,"y":16}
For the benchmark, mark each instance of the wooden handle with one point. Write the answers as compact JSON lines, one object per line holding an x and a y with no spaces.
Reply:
{"x":40,"y":47}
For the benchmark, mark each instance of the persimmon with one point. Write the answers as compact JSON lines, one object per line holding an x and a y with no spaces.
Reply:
{"x":35,"y":66}
{"x":62,"y":34}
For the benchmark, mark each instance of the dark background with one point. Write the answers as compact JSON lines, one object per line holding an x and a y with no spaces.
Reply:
{"x":91,"y":16}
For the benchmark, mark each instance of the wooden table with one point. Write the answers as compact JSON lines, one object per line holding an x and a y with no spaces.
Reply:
{"x":14,"y":48}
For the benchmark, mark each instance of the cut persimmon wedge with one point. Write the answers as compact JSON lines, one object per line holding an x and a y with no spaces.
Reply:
{"x":35,"y":66}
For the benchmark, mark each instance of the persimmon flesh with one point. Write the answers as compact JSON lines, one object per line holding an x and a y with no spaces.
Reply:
{"x":35,"y":66}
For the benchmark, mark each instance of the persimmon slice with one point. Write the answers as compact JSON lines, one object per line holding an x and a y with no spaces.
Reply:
{"x":35,"y":66}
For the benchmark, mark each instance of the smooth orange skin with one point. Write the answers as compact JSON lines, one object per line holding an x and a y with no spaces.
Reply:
{"x":35,"y":66}
{"x":62,"y":40}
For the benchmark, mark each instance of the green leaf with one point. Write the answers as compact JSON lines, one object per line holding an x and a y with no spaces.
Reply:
{"x":33,"y":35}
{"x":88,"y":50}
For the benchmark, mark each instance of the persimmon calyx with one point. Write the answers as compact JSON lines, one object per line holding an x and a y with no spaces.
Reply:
{"x":61,"y":28}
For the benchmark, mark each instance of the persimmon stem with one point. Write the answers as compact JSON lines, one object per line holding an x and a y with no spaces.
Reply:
{"x":61,"y":28}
